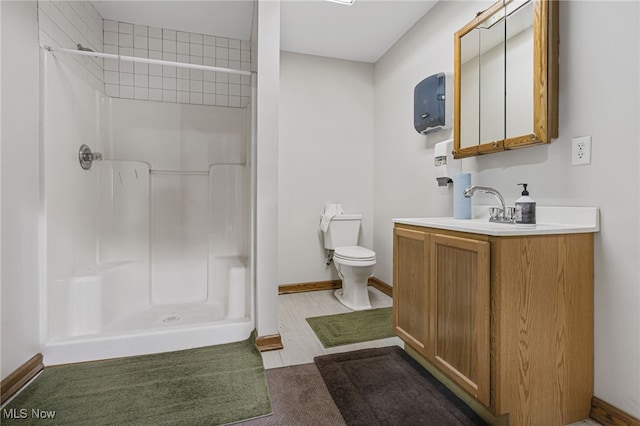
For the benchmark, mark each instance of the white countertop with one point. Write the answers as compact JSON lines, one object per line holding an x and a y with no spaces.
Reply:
{"x":550,"y":220}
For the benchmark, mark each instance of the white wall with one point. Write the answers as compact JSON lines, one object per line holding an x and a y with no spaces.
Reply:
{"x":1,"y":369}
{"x":325,"y":155}
{"x":266,"y":140}
{"x":20,"y":206}
{"x":404,"y":181}
{"x":599,"y":96}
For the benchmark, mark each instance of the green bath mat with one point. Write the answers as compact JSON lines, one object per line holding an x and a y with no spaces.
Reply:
{"x":353,"y":327}
{"x":212,"y":385}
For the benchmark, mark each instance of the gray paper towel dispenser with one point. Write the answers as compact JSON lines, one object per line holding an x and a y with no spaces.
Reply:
{"x":433,"y":103}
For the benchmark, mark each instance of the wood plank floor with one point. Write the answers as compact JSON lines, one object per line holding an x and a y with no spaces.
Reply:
{"x":300,"y":342}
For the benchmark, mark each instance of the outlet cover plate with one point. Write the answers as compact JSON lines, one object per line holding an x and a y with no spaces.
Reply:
{"x":581,"y":151}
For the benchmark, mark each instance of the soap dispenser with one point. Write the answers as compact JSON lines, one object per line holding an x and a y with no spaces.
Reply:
{"x":525,"y":208}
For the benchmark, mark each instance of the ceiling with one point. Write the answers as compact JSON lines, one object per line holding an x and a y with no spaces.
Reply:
{"x":230,"y":19}
{"x":363,"y":31}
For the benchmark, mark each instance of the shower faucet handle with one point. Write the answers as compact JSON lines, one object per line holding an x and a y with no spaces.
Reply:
{"x":86,"y":157}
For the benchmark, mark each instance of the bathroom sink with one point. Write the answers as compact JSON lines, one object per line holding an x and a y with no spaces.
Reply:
{"x":551,"y":220}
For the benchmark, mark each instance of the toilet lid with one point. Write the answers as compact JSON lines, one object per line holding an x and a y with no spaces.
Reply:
{"x":354,"y":253}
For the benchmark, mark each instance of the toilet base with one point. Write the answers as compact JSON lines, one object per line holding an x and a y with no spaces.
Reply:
{"x":358,"y":303}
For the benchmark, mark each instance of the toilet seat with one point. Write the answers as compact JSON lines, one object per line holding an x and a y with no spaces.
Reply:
{"x":354,"y":256}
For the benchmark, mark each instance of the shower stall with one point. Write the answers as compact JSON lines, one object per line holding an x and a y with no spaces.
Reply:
{"x":150,"y":248}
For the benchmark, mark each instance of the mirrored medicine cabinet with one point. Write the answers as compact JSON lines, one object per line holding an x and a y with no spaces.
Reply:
{"x":506,"y":78}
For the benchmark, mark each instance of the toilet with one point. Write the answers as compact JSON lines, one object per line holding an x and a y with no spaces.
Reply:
{"x":354,"y":264}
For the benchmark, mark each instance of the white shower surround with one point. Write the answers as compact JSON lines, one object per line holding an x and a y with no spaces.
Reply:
{"x":149,"y":251}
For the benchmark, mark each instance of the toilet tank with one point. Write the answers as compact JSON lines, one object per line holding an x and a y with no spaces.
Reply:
{"x":343,"y":231}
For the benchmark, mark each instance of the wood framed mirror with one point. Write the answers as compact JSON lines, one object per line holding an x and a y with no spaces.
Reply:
{"x":506,"y":78}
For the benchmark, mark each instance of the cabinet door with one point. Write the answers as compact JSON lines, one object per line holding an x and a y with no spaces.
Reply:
{"x":410,"y":290}
{"x":459,"y":310}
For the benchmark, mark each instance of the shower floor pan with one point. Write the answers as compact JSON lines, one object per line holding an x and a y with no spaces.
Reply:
{"x":159,"y":329}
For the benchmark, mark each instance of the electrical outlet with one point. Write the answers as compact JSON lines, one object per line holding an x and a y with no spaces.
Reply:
{"x":581,"y":151}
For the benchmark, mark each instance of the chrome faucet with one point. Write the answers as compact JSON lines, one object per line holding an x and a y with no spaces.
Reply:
{"x":502,"y":214}
{"x":86,"y":157}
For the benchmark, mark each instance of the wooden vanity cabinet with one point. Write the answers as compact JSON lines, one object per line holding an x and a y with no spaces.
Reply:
{"x":441,"y":303}
{"x":507,"y":319}
{"x":411,"y":299}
